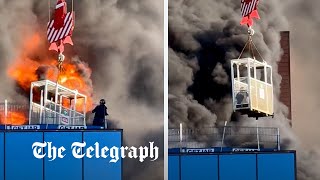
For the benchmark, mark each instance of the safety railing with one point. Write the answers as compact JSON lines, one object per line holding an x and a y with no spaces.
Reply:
{"x":13,"y":113}
{"x":55,"y":114}
{"x":225,"y":136}
{"x":18,"y":114}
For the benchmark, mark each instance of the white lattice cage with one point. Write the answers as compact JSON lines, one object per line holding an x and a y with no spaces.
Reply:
{"x":50,"y":109}
{"x":252,"y":88}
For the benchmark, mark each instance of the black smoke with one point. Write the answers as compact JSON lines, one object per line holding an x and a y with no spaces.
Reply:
{"x":120,"y":41}
{"x":204,"y":36}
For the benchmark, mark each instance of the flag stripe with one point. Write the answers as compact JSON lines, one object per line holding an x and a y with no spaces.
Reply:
{"x":59,"y":5}
{"x":57,"y":34}
{"x":50,"y":35}
{"x":67,"y":17}
{"x":64,"y":32}
{"x":67,"y":27}
{"x":54,"y":35}
{"x":251,"y":7}
{"x":49,"y":26}
{"x":241,"y":8}
{"x":248,"y":7}
{"x":67,"y":22}
{"x":68,"y":31}
{"x":255,"y":5}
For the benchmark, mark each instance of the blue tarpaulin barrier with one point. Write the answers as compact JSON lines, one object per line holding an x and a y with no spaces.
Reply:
{"x":217,"y":150}
{"x":47,"y":127}
{"x":17,"y":160}
{"x":278,"y":165}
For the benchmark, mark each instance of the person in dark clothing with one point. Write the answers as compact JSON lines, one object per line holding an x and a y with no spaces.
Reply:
{"x":100,"y":113}
{"x":242,"y":97}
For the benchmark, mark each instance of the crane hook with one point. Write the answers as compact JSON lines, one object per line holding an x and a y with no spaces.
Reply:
{"x":250,"y":31}
{"x":61,"y":58}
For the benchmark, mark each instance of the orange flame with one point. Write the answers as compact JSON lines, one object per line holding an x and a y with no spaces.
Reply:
{"x":23,"y":71}
{"x":13,"y":118}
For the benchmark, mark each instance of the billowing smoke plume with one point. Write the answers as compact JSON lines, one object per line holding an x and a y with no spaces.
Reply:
{"x":122,"y":42}
{"x":204,"y":36}
{"x":304,"y":24}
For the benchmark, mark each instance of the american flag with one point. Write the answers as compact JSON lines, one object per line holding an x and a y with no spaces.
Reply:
{"x":57,"y":34}
{"x":247,"y":6}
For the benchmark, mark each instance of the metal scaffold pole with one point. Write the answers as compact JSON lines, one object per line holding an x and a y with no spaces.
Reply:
{"x":223,"y":135}
{"x":181,"y":136}
{"x":258,"y":140}
{"x":5,"y":112}
{"x":278,"y":139}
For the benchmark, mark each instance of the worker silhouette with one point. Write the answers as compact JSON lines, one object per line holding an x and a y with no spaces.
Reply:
{"x":242,"y":96}
{"x":100,"y":114}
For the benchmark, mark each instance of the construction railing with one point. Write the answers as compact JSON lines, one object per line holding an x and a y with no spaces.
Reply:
{"x":13,"y":113}
{"x":18,"y":114}
{"x":225,"y":136}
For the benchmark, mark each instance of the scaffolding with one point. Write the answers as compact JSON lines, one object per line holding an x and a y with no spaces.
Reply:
{"x":56,"y":105}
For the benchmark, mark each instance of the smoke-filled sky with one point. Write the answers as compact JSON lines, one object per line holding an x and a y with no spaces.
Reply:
{"x":304,"y":23}
{"x":122,"y":42}
{"x":305,"y":40}
{"x":204,"y":35}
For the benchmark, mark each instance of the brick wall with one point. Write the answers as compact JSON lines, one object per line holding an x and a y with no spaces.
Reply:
{"x":284,"y":71}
